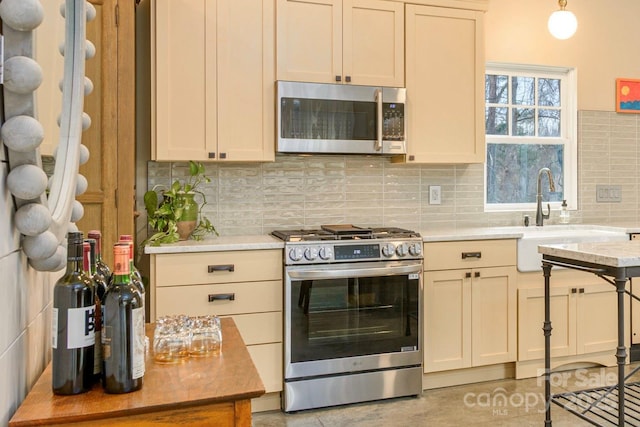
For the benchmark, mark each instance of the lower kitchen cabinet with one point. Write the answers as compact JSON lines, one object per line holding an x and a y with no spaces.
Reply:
{"x":469,"y":313}
{"x":245,"y":285}
{"x":583,"y":318}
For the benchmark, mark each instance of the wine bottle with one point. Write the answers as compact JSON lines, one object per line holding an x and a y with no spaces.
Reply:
{"x":73,"y":324}
{"x":100,"y":285}
{"x":101,"y":266}
{"x":123,"y":331}
{"x":136,"y":277}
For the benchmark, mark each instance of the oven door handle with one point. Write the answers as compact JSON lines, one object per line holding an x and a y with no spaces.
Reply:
{"x":355,"y":272}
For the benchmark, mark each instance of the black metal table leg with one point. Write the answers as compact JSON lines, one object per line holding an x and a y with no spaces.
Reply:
{"x":546,"y":269}
{"x":621,"y":351}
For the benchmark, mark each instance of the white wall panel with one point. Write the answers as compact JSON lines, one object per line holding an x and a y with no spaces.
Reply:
{"x":9,"y":239}
{"x":13,"y":300}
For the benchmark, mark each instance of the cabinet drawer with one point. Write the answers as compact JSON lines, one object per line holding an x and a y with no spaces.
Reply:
{"x":250,"y":297}
{"x":268,"y":361}
{"x":217,"y":267}
{"x":469,"y":254}
{"x":260,"y":328}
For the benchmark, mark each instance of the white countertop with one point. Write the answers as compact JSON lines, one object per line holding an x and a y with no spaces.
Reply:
{"x":610,"y":254}
{"x":217,"y":244}
{"x":508,"y":232}
{"x":249,"y":242}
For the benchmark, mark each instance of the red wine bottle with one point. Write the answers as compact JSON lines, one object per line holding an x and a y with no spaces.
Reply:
{"x":73,"y":324}
{"x":100,"y":288}
{"x":136,"y":277}
{"x":123,"y":332}
{"x":101,"y":267}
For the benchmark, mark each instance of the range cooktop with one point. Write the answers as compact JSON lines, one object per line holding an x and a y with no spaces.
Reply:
{"x":343,"y":232}
{"x":349,"y":243}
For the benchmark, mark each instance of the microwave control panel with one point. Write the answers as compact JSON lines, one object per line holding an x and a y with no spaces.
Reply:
{"x":393,"y":121}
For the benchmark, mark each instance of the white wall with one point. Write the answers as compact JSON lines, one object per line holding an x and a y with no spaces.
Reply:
{"x":604,"y":47}
{"x":25,"y":301}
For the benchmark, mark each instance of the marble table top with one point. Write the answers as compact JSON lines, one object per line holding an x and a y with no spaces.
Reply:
{"x":610,"y":254}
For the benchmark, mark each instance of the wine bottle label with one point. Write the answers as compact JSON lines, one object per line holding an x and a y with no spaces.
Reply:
{"x":137,"y":343}
{"x":81,"y":327}
{"x":105,"y":337}
{"x":54,"y":327}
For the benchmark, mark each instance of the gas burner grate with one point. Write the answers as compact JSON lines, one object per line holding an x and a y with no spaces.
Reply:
{"x":343,"y":232}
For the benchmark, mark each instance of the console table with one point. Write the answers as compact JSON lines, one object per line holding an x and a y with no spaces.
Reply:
{"x":214,"y":390}
{"x":616,"y":263}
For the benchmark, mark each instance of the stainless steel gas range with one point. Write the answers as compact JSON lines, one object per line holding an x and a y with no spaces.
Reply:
{"x":352,"y":315}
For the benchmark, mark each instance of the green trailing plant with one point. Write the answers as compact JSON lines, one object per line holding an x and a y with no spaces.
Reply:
{"x":165,"y":208}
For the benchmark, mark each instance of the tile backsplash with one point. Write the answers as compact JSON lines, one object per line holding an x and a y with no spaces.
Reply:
{"x":307,"y":191}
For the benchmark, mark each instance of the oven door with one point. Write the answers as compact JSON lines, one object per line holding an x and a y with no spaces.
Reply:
{"x":352,"y":317}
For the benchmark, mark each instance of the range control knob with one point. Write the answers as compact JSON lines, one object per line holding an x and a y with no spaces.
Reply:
{"x":326,"y":253}
{"x":311,"y":253}
{"x":388,"y":250}
{"x":415,"y":249}
{"x":402,"y":249}
{"x":295,"y":254}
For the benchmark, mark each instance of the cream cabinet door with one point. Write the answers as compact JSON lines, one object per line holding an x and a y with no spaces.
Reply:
{"x":245,"y":80}
{"x":493,"y":316}
{"x":309,"y":38}
{"x":597,"y":318}
{"x":213,"y":88}
{"x":445,"y":85}
{"x":373,"y":43}
{"x":341,"y":41}
{"x":531,"y":321}
{"x":183,"y":79}
{"x":447,"y":320}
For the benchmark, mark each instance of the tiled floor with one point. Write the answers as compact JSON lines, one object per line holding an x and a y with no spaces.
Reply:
{"x":492,"y":403}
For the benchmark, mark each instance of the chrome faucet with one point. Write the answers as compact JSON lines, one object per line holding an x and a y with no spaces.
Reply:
{"x":540,"y":217}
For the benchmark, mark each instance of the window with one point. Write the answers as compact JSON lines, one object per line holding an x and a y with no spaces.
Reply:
{"x":530,"y":122}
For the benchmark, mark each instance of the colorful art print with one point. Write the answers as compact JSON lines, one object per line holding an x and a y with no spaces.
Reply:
{"x":628,"y":96}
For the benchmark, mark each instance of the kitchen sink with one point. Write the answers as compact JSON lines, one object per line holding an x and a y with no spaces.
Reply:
{"x":530,"y":260}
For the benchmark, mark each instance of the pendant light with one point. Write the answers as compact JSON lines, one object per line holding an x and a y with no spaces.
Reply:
{"x":562,"y":23}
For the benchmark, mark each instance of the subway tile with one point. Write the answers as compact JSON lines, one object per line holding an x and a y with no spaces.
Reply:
{"x":311,"y":190}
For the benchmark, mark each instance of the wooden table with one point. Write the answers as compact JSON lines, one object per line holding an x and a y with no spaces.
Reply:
{"x":214,"y":390}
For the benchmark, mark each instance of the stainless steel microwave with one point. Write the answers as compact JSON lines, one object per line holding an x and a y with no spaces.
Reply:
{"x":340,"y":119}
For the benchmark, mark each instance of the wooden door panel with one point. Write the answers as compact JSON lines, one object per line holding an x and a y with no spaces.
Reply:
{"x":108,"y":201}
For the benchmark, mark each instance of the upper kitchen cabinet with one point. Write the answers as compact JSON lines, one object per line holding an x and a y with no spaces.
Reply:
{"x":445,"y":85}
{"x":213,"y":80}
{"x":357,"y":42}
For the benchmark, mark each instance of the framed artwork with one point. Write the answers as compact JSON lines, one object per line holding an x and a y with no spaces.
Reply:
{"x":628,"y":96}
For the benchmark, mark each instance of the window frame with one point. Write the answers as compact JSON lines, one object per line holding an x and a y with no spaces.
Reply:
{"x":568,"y":126}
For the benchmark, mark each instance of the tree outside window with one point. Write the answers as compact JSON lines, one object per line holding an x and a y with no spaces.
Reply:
{"x":529,"y":124}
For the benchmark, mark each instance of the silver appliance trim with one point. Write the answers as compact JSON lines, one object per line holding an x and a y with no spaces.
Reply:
{"x":340,"y":92}
{"x":364,"y":269}
{"x":294,"y":370}
{"x":359,"y":387}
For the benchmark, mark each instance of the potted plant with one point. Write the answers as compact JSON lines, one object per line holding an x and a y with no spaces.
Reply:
{"x":174,"y":214}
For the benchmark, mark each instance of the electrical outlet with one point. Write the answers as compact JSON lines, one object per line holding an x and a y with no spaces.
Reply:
{"x":435,"y":195}
{"x":608,"y":193}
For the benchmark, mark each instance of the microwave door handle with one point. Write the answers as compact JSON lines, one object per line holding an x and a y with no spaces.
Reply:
{"x":378,"y":146}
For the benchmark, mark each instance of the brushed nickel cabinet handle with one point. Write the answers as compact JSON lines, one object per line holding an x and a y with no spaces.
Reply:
{"x":466,"y":255}
{"x":221,"y":267}
{"x":221,"y":297}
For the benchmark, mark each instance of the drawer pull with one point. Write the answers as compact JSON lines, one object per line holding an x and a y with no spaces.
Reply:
{"x":222,"y":267}
{"x":466,"y":255}
{"x":216,"y":297}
